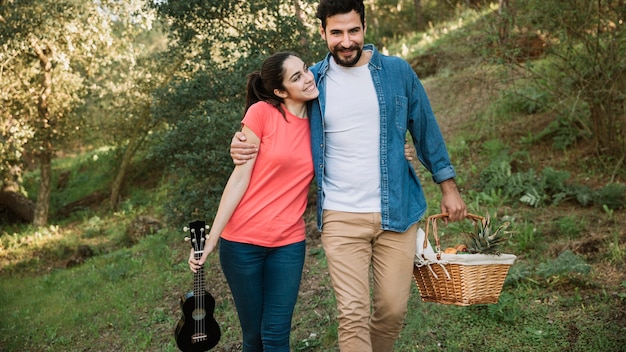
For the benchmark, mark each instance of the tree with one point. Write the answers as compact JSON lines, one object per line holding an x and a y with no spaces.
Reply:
{"x":506,"y":18}
{"x":419,"y":15}
{"x":51,"y":50}
{"x":584,"y":73}
{"x":203,"y":103}
{"x":72,"y":57}
{"x":120,"y":102}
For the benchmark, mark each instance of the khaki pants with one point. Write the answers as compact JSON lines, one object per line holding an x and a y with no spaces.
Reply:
{"x":354,"y":242}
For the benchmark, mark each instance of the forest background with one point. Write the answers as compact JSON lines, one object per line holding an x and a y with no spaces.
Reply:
{"x":115,"y":121}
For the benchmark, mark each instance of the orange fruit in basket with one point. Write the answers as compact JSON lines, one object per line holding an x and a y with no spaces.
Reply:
{"x":461,"y":248}
{"x":450,"y":250}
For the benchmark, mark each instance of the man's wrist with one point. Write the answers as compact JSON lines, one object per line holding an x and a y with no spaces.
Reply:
{"x":448,"y":185}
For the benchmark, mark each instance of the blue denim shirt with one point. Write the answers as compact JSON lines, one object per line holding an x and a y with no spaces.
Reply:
{"x":403,"y":106}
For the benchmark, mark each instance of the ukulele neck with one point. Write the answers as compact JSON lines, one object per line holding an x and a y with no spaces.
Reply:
{"x":198,"y":279}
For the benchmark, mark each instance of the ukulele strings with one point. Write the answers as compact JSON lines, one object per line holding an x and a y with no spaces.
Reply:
{"x":199,"y":294}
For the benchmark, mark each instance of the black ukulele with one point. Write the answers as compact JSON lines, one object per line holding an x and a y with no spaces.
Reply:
{"x":197,"y":330}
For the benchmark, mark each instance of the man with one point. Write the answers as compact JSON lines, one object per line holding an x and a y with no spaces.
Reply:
{"x":369,"y":198}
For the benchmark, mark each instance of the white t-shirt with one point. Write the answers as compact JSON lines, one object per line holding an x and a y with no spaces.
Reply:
{"x":352,"y":128}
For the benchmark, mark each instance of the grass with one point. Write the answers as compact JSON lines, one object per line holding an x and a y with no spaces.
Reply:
{"x":117,"y":293}
{"x":125,"y":297}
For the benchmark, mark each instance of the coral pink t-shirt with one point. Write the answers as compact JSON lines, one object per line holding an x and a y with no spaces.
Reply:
{"x":270,"y":212}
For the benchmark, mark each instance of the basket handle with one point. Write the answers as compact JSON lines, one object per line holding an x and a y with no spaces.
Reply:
{"x":433,"y":220}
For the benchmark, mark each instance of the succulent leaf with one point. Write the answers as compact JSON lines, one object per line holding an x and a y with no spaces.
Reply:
{"x":486,"y":240}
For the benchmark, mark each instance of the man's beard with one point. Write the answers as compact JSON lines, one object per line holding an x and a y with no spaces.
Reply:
{"x":349,"y":62}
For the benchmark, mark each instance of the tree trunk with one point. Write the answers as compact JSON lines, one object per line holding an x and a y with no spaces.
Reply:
{"x":18,"y":204}
{"x":116,"y":187}
{"x":301,"y":17}
{"x":45,"y":131}
{"x":419,"y":15}
{"x":43,"y":197}
{"x":143,"y":126}
{"x":506,"y":13}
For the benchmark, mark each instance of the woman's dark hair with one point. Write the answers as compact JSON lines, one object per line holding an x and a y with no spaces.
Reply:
{"x":261,"y":84}
{"x":328,"y":8}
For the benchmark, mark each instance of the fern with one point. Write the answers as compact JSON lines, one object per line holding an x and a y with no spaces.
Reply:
{"x":548,"y":187}
{"x":520,"y":183}
{"x":584,"y":195}
{"x":613,"y":195}
{"x":565,"y":265}
{"x":553,"y":180}
{"x":534,"y":198}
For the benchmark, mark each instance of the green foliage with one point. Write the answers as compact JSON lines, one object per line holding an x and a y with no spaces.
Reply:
{"x":529,"y":238}
{"x":570,"y":225}
{"x":128,"y":297}
{"x":94,"y":227}
{"x":566,"y":268}
{"x":203,"y":105}
{"x":60,"y":60}
{"x":436,"y":327}
{"x":584,"y":195}
{"x":74,"y":178}
{"x":493,"y":199}
{"x":584,"y":73}
{"x":387,"y":19}
{"x":616,"y":252}
{"x":566,"y":265}
{"x":112,"y":281}
{"x":196,"y":152}
{"x":527,"y":100}
{"x":565,"y":129}
{"x":551,"y":186}
{"x":488,"y":236}
{"x":518,"y":273}
{"x":612,"y":195}
{"x":14,"y":135}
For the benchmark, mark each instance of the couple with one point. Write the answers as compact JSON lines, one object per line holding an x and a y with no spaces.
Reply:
{"x":344,"y":120}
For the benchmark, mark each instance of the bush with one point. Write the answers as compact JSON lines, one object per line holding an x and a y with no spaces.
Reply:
{"x":584,"y":70}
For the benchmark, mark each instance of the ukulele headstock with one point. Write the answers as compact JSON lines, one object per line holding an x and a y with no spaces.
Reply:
{"x":197,"y":234}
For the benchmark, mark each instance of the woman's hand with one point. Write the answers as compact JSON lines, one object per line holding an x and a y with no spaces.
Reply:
{"x":194,"y":264}
{"x":408,"y":151}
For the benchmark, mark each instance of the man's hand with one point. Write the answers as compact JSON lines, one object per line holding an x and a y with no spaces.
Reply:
{"x":241,"y":151}
{"x":451,"y":202}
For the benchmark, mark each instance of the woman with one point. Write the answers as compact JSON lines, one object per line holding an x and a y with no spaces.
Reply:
{"x":259,"y":220}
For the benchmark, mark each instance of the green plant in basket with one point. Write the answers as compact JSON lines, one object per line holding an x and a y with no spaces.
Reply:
{"x":486,"y":239}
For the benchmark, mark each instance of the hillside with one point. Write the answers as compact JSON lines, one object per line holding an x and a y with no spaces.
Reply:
{"x":122,"y":292}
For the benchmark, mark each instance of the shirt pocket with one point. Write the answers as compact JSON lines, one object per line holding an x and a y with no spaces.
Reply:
{"x":401,"y":113}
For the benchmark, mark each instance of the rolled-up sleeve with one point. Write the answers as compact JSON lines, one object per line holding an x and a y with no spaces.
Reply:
{"x":444,"y":174}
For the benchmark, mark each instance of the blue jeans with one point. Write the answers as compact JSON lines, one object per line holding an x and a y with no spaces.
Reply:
{"x":264,"y":283}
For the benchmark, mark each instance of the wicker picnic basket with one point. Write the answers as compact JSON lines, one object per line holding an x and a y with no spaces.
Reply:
{"x":459,"y":279}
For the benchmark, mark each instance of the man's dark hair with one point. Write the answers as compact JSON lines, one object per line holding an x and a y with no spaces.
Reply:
{"x":328,"y":8}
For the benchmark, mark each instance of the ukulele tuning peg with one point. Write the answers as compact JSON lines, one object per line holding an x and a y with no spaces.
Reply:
{"x":187,"y":239}
{"x":185,"y":229}
{"x":206,"y":227}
